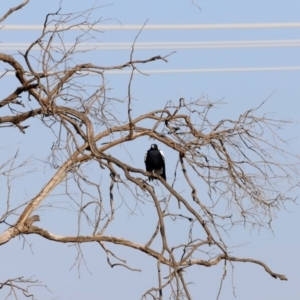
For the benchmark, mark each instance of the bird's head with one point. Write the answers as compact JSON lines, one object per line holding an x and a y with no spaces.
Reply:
{"x":154,"y":146}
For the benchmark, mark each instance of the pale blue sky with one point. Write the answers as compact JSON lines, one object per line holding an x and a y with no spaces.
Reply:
{"x":51,"y":262}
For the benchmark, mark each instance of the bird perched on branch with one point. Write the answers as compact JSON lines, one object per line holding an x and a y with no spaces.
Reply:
{"x":155,"y":162}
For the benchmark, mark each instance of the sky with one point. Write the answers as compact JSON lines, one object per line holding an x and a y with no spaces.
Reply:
{"x":212,"y":79}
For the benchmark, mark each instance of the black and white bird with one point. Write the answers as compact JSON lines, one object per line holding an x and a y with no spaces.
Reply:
{"x":155,"y":162}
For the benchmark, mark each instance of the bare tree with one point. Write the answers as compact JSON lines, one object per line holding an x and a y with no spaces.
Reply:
{"x":233,"y":172}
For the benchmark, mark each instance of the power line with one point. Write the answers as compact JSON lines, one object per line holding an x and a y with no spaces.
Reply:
{"x":202,"y":70}
{"x":161,"y":45}
{"x":155,"y":27}
{"x":210,"y":70}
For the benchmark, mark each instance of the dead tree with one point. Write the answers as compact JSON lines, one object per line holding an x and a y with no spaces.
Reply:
{"x":233,"y":171}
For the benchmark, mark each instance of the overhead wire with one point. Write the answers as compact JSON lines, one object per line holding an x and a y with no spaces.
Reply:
{"x":161,"y":45}
{"x":155,"y":26}
{"x":199,"y":70}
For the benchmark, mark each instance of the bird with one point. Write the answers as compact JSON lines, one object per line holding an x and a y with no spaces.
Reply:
{"x":155,"y":162}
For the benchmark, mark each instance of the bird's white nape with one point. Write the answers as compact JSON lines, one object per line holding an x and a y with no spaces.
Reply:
{"x":162,"y":154}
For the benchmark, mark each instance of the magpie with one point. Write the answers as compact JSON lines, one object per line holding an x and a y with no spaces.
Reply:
{"x":155,"y":162}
